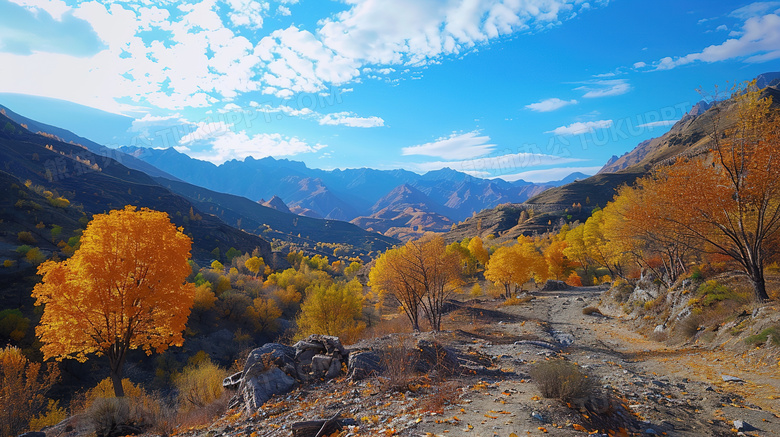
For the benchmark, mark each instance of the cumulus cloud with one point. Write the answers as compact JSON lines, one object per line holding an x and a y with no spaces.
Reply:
{"x":604,"y":88}
{"x":550,"y":105}
{"x":579,"y":127}
{"x":455,"y":146}
{"x":238,"y":145}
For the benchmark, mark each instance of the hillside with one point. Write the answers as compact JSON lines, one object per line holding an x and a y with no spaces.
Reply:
{"x":280,"y":226}
{"x":95,"y":184}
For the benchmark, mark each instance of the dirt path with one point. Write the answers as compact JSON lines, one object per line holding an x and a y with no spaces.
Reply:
{"x":666,"y":391}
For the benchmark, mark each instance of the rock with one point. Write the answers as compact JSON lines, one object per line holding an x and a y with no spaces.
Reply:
{"x":268,"y":370}
{"x":365,"y":364}
{"x":33,"y":434}
{"x":552,"y":285}
{"x":537,"y":416}
{"x":650,"y":431}
{"x":659,"y":329}
{"x":729,"y":378}
{"x":741,"y":425}
{"x":324,"y":349}
{"x":320,"y":365}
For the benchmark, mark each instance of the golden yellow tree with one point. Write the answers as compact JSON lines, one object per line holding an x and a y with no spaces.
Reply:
{"x":559,"y":265}
{"x":255,"y":264}
{"x":332,"y":309}
{"x":420,"y":275}
{"x":513,"y":266}
{"x":478,"y":250}
{"x":122,"y":289}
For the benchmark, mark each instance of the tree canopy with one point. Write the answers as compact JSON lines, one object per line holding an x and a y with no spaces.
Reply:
{"x":122,"y":289}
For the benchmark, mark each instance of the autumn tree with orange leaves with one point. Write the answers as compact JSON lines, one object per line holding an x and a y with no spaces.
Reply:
{"x":123,"y":289}
{"x":731,"y":203}
{"x":513,"y":266}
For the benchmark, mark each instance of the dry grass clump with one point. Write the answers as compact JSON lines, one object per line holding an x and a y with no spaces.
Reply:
{"x":591,"y":311}
{"x":562,"y":380}
{"x":517,"y":300}
{"x":438,"y":397}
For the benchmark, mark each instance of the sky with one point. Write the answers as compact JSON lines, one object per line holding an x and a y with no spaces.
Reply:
{"x":516,"y":89}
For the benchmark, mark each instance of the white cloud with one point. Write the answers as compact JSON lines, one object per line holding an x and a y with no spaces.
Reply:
{"x":456,"y":146}
{"x":581,"y":127}
{"x":759,"y":41}
{"x":55,"y":8}
{"x":755,"y":9}
{"x":653,"y":124}
{"x":550,"y":105}
{"x":496,"y":165}
{"x":238,"y":145}
{"x":206,"y":130}
{"x":548,"y":175}
{"x":351,"y":120}
{"x":640,"y":64}
{"x":604,"y":88}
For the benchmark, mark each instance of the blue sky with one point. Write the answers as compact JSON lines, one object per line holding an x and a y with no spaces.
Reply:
{"x":532,"y":89}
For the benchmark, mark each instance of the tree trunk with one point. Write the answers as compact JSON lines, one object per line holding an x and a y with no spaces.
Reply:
{"x":759,"y":288}
{"x":116,"y":380}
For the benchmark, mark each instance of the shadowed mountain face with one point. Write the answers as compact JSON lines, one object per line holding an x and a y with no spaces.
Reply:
{"x":96,"y":183}
{"x":358,"y":195}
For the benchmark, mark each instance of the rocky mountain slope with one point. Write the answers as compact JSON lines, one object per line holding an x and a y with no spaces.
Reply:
{"x":94,"y":183}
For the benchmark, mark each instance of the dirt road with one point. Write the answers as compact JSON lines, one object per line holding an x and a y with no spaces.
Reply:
{"x":650,"y":388}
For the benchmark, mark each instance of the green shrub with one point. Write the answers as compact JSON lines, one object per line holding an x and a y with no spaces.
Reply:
{"x":562,"y":380}
{"x":23,"y":249}
{"x":711,"y":292}
{"x":696,"y":274}
{"x":763,"y":336}
{"x":56,"y":230}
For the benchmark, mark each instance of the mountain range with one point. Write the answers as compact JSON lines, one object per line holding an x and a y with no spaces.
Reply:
{"x":396,"y":202}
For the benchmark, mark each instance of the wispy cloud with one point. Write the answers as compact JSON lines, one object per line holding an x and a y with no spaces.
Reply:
{"x":550,"y":104}
{"x":659,"y":123}
{"x":455,"y":146}
{"x":604,"y":88}
{"x":580,"y":127}
{"x":549,"y":175}
{"x":350,"y":119}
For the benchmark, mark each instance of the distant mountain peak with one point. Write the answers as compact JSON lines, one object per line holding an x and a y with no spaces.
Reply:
{"x":276,"y":203}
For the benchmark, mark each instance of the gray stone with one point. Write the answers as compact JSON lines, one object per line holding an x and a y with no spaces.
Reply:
{"x":33,"y":434}
{"x":741,"y":425}
{"x":537,"y":416}
{"x":364,"y":364}
{"x":261,"y":387}
{"x":729,"y":378}
{"x":320,"y":365}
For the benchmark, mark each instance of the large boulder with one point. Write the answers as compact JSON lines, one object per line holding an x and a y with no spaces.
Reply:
{"x":276,"y":369}
{"x":319,"y":356}
{"x":268,"y":370}
{"x":364,"y":364}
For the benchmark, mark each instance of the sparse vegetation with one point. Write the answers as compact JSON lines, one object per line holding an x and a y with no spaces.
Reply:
{"x":561,"y":379}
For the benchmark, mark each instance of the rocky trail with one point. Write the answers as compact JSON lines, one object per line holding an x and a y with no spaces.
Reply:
{"x":644,"y":387}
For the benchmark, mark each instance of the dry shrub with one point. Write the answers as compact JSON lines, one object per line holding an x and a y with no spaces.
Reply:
{"x":438,"y":397}
{"x":22,"y":391}
{"x":562,"y":380}
{"x":199,"y":384}
{"x":518,"y":300}
{"x":688,"y":327}
{"x":591,"y":311}
{"x":399,"y":362}
{"x":206,"y":414}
